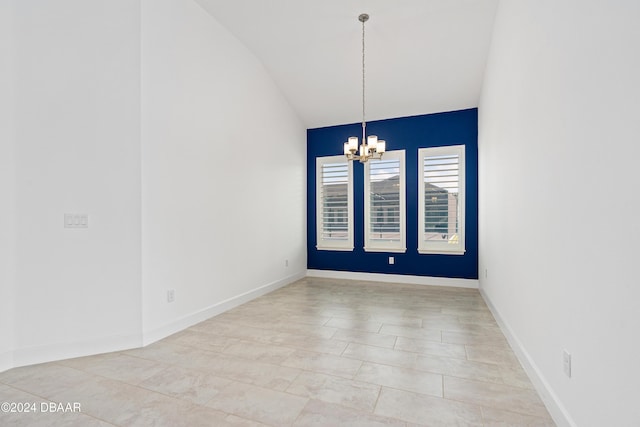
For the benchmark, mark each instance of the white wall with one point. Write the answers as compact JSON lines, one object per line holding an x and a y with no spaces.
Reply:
{"x":223,"y":176}
{"x":140,"y":115}
{"x":559,"y":203}
{"x":77,"y":124}
{"x":7,"y":187}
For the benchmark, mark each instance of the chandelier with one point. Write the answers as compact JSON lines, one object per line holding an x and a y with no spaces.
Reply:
{"x":371,"y":147}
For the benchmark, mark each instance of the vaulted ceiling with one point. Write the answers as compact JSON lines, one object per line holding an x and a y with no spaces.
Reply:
{"x":422,"y":56}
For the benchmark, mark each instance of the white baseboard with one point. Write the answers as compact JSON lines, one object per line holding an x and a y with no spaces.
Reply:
{"x":556,"y":409}
{"x":67,"y":350}
{"x":48,"y":353}
{"x":396,"y":278}
{"x":191,"y":319}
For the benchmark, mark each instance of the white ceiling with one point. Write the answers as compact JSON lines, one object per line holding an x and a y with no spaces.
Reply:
{"x":422,"y":56}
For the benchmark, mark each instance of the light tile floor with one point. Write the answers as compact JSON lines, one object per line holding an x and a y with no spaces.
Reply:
{"x":318,"y":352}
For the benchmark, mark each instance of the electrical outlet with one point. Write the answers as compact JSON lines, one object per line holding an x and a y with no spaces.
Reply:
{"x":171,"y":295}
{"x":392,"y":260}
{"x":76,"y":220}
{"x":286,"y":263}
{"x":486,"y":274}
{"x":566,"y":363}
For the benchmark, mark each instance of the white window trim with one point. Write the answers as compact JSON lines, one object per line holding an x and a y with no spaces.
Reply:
{"x":388,"y":246}
{"x":321,"y":244}
{"x":442,"y":247}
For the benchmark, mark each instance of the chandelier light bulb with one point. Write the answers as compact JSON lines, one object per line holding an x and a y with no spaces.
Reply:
{"x":381,"y":147}
{"x":372,"y":141}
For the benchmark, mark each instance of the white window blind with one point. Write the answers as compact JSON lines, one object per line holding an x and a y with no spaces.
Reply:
{"x":441,"y":200}
{"x":385,"y":203}
{"x":334,"y":203}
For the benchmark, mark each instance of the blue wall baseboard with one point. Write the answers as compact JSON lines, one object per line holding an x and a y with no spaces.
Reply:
{"x":409,"y":134}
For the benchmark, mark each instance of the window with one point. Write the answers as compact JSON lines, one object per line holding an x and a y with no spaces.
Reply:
{"x":384,"y":203}
{"x":441,"y":200}
{"x":334,"y":203}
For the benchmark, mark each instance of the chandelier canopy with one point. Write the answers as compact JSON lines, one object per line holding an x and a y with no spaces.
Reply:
{"x":371,"y":147}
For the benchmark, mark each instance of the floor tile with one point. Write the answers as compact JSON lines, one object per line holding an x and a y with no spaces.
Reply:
{"x":306,"y":319}
{"x":516,"y":376}
{"x":408,"y":332}
{"x":123,"y":404}
{"x":201,"y":340}
{"x":422,"y":346}
{"x":460,"y":368}
{"x":398,"y":320}
{"x":266,"y":353}
{"x":381,"y":355}
{"x":259,"y":404}
{"x":304,"y":342}
{"x":48,"y":419}
{"x":232,"y":330}
{"x":353,"y":394}
{"x":321,"y":414}
{"x":247,"y":371}
{"x":474,"y":338}
{"x":441,"y":321}
{"x":235,"y":421}
{"x":369,"y":338}
{"x":497,"y":418}
{"x":401,"y":378}
{"x":498,"y":396}
{"x":187,"y":384}
{"x":492,"y":354}
{"x":36,"y":416}
{"x":302,"y":328}
{"x":323,"y":363}
{"x":426,"y":410}
{"x":374,"y":315}
{"x":116,"y":366}
{"x":162,"y":351}
{"x":357,"y":325}
{"x":45,"y":380}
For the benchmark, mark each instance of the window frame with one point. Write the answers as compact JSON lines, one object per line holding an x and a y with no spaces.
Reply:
{"x":334,"y":245}
{"x":439,"y":247}
{"x":375,"y":245}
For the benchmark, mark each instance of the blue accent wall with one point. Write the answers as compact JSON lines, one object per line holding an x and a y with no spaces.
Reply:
{"x":409,"y":134}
